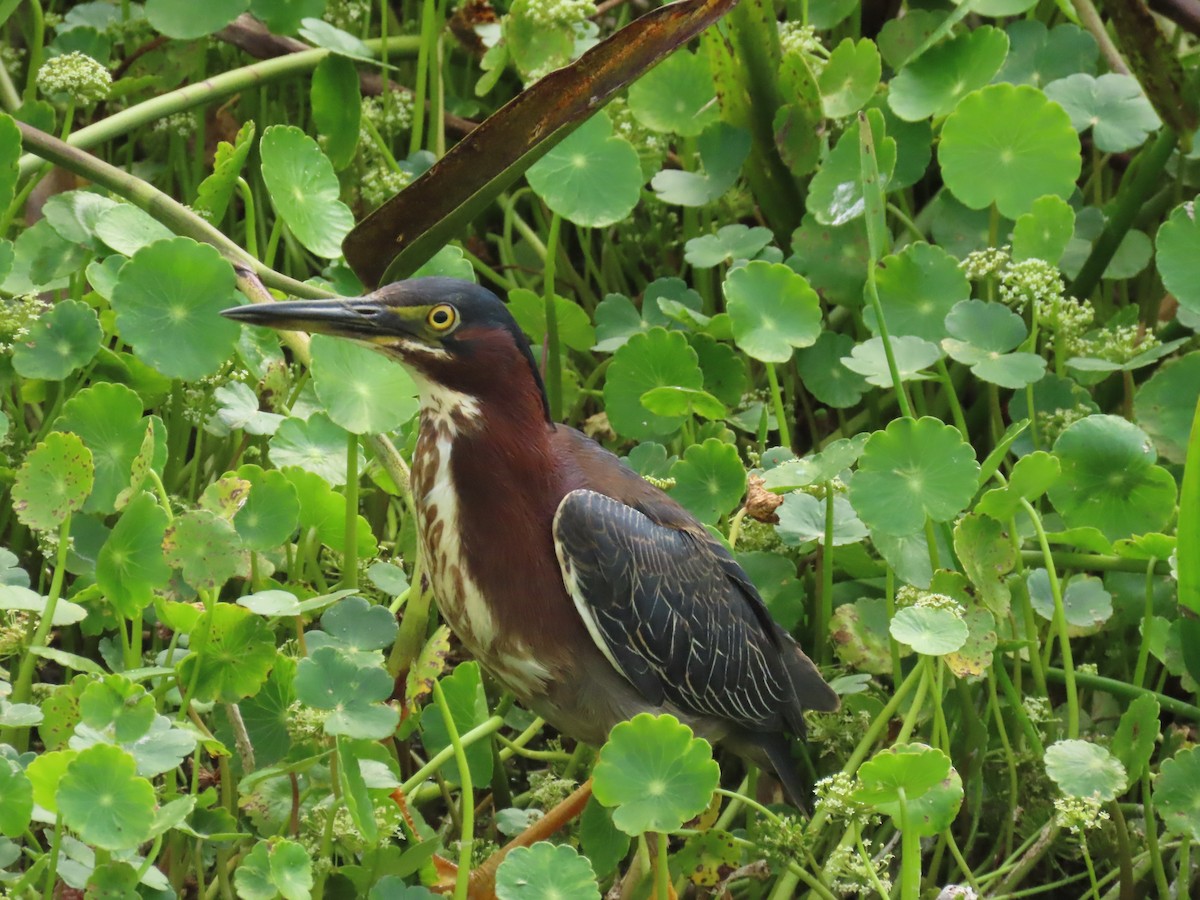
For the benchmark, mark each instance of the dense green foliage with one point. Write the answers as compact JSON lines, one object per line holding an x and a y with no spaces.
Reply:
{"x":900,"y":299}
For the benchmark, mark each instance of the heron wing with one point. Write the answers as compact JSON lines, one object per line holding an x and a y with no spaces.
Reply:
{"x":676,"y":615}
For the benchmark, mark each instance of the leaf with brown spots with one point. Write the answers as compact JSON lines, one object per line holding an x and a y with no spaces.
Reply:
{"x":205,"y":548}
{"x":428,"y":668}
{"x":226,"y":496}
{"x":53,"y":482}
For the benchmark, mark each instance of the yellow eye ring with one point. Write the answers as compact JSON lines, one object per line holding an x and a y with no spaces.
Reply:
{"x":442,"y":317}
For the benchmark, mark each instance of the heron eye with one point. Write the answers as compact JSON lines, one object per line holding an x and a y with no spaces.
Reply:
{"x":442,"y":317}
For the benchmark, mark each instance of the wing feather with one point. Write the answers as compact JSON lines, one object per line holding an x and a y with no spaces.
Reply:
{"x":676,"y":615}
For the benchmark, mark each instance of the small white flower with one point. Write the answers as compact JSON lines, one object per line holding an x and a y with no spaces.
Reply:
{"x":77,"y":75}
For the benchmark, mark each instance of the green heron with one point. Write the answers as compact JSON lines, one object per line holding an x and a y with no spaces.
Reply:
{"x":585,"y":590}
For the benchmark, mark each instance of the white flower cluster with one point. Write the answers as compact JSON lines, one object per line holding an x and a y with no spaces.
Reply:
{"x":835,"y":796}
{"x":559,"y":12}
{"x":390,"y":116}
{"x":16,"y":317}
{"x":818,"y":488}
{"x":347,"y":13}
{"x":381,"y":183}
{"x":911,"y":596}
{"x":801,"y":40}
{"x":625,"y":125}
{"x":851,"y":874}
{"x":1053,"y":423}
{"x":77,"y":75}
{"x":1117,"y":344}
{"x":1030,"y":280}
{"x":182,"y":124}
{"x":981,"y":264}
{"x":1078,"y":814}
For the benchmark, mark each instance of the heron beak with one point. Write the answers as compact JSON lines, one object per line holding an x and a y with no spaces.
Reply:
{"x":359,"y":318}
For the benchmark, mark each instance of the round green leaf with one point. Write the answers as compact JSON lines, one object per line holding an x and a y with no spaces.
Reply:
{"x":546,"y":871}
{"x":1178,"y":261}
{"x":1136,"y":735}
{"x":131,"y":564}
{"x":934,"y":83}
{"x":802,"y":519}
{"x":274,"y":868}
{"x":355,"y":623}
{"x":1165,"y":404}
{"x":774,"y":310}
{"x":328,"y":679}
{"x":849,"y":77}
{"x":285,"y":16}
{"x":709,"y":480}
{"x":363,"y":391}
{"x":271,"y":511}
{"x":984,"y":327}
{"x":53,"y":481}
{"x":1086,"y":604}
{"x":929,"y":631}
{"x":1009,"y":146}
{"x":1109,"y":480}
{"x":186,"y":19}
{"x":820,"y":368}
{"x":102,"y":799}
{"x":983,"y":332}
{"x":676,"y":96}
{"x":657,"y":358}
{"x":168,"y":298}
{"x":127,"y":229}
{"x":913,"y":470}
{"x":933,"y":811}
{"x":655,"y":774}
{"x":1038,"y":55}
{"x":1084,"y":769}
{"x":316,"y":445}
{"x":304,"y":189}
{"x":108,"y":417}
{"x":1044,"y":231}
{"x":911,"y":769}
{"x":832,"y":258}
{"x":681,"y":401}
{"x":15,"y":597}
{"x":913,"y":355}
{"x":592,"y":178}
{"x":63,"y":340}
{"x":16,"y":799}
{"x":1113,"y":106}
{"x":729,"y":243}
{"x":205,"y":548}
{"x":231,"y":652}
{"x":917,"y":288}
{"x":1177,"y":793}
{"x":74,"y":215}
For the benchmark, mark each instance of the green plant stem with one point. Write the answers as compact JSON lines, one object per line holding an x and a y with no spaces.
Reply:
{"x":910,"y":854}
{"x":868,"y":863}
{"x":956,"y":410}
{"x":350,"y":535}
{"x":248,"y":208}
{"x":1156,"y":861}
{"x":553,"y":345}
{"x":165,"y":209}
{"x":52,"y":868}
{"x":225,"y":84}
{"x":1188,"y":532}
{"x":467,"y":794}
{"x":825,"y":608}
{"x":1126,"y":691}
{"x":1140,"y":183}
{"x":22,"y":687}
{"x":781,"y":419}
{"x":662,"y":867}
{"x":1060,"y":621}
{"x":484,"y":729}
